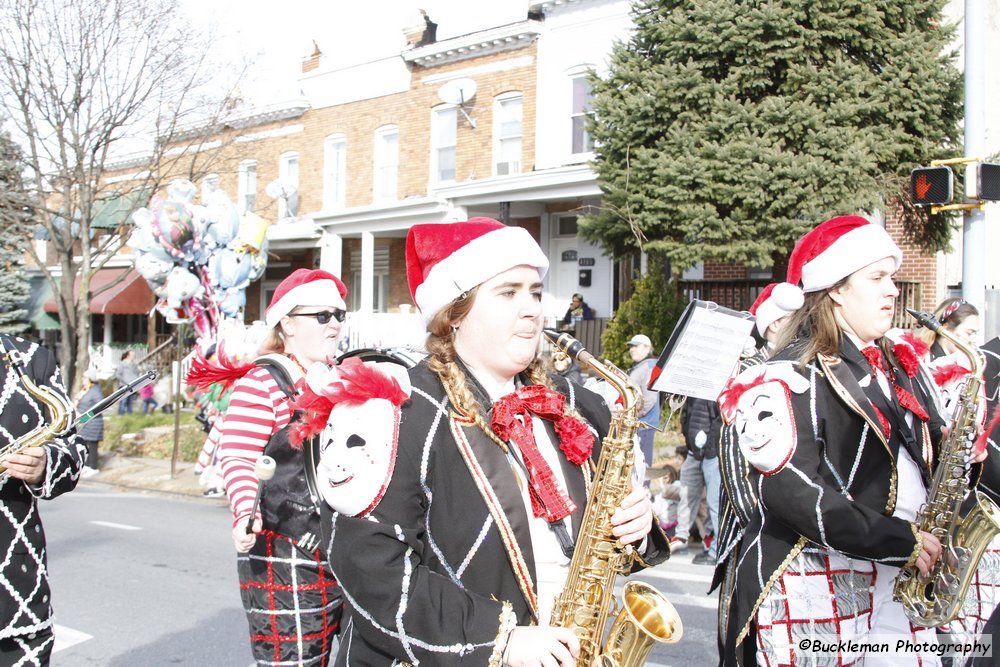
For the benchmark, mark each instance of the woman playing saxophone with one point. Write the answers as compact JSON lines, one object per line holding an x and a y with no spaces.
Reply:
{"x":39,"y":463}
{"x":840,"y":438}
{"x":461,"y":559}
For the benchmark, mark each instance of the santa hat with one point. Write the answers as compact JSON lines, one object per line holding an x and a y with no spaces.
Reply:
{"x":305,"y":287}
{"x":836,"y":249}
{"x":443,"y":261}
{"x":774,"y":302}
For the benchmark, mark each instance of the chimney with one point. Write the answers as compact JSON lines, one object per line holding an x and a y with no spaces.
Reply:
{"x":311,"y":62}
{"x":421,"y":31}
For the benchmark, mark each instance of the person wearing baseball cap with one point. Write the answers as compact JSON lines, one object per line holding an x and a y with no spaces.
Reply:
{"x":839,"y":436}
{"x":461,"y":559}
{"x":290,"y":594}
{"x":640,"y":348}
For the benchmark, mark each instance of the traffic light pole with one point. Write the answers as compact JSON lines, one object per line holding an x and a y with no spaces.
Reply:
{"x":974,"y":224}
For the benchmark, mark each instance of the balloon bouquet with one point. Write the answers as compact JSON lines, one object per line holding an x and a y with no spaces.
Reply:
{"x":198,"y":258}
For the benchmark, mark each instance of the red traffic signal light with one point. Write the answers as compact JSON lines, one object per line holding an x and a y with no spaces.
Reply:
{"x":988,"y":181}
{"x":931,"y":185}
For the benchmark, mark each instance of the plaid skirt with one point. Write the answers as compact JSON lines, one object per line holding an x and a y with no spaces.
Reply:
{"x":292,"y":601}
{"x":982,"y":598}
{"x":826,"y":596}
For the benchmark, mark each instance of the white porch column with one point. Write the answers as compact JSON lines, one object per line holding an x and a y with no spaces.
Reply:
{"x":107,"y":362}
{"x":367,"y":272}
{"x":331,"y":254}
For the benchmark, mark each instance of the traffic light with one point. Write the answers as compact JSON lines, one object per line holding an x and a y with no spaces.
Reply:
{"x":931,"y":185}
{"x":988,"y":181}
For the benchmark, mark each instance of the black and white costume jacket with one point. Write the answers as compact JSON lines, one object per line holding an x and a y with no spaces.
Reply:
{"x":832,"y":481}
{"x":444,"y":563}
{"x":24,"y":597}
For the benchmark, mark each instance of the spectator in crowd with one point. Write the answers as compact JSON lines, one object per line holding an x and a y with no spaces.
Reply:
{"x":578,"y":310}
{"x":148,"y":401}
{"x":639,"y":348}
{"x":291,"y":597}
{"x":701,"y":425}
{"x":91,"y":433}
{"x":39,"y":472}
{"x":489,"y":479}
{"x":126,"y":372}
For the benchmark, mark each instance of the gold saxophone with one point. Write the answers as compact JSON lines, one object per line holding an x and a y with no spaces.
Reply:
{"x":58,"y":407}
{"x":937,"y":599}
{"x":583,"y":605}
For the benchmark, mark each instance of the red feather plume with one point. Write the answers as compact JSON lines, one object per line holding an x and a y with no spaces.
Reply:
{"x":204,"y":373}
{"x":945,"y":373}
{"x":907,"y":357}
{"x":917,"y":343}
{"x":358,"y":383}
{"x":981,"y":440}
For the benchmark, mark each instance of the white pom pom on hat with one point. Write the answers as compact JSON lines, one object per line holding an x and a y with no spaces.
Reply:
{"x":774,"y":302}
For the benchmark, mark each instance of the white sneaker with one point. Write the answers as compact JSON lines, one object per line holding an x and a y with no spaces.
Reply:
{"x":88,"y":472}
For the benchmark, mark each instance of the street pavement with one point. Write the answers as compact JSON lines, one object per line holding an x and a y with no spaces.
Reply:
{"x":143,"y":573}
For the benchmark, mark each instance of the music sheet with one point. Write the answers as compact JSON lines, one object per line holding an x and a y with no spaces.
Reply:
{"x":703,"y":351}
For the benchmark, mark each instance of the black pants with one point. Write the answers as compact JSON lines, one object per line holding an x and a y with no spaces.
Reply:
{"x":34,"y":649}
{"x":91,"y":461}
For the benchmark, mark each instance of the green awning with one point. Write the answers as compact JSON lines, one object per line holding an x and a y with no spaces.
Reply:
{"x":117,"y":209}
{"x":44,"y":321}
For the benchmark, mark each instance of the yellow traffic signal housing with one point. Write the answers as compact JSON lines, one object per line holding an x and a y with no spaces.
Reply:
{"x":931,"y":185}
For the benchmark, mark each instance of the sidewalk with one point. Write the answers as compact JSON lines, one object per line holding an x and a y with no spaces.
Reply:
{"x":148,"y":474}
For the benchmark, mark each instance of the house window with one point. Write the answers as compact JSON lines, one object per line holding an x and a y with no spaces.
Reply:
{"x":565,"y":225}
{"x":444,"y":126}
{"x":247,"y":194}
{"x":386,"y":163}
{"x":288,"y":173}
{"x":507,"y":131}
{"x":582,"y":143}
{"x":334,"y":171}
{"x":380,"y":286}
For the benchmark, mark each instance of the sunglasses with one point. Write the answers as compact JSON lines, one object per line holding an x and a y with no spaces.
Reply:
{"x":324,"y":316}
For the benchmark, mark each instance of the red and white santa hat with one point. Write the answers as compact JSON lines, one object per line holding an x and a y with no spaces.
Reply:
{"x":774,"y":302}
{"x":445,"y":260}
{"x":305,"y":287}
{"x":836,"y":249}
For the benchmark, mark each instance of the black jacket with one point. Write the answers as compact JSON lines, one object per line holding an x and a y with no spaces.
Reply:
{"x":701,"y":415}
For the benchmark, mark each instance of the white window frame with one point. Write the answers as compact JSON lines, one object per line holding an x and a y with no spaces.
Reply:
{"x":288,"y":172}
{"x":444,"y":139}
{"x":586,"y":142}
{"x":335,"y":172}
{"x":385,"y":181}
{"x":503,"y":138}
{"x":247,"y":189}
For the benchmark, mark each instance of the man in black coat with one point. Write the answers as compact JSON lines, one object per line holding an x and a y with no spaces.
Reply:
{"x":43,"y":471}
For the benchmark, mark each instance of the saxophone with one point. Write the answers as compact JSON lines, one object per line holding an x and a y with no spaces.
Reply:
{"x":937,"y":599}
{"x":584,"y":604}
{"x":58,"y":407}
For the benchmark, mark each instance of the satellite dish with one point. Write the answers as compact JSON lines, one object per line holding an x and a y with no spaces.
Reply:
{"x":457,"y":91}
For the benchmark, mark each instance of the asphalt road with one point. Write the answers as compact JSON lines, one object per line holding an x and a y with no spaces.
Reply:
{"x":149,"y":580}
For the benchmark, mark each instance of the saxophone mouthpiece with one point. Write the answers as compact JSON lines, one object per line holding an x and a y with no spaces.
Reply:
{"x":924,"y":319}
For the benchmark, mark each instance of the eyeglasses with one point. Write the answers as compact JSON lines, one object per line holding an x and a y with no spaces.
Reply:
{"x":324,"y":316}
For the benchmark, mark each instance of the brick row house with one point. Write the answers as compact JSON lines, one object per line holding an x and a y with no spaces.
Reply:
{"x":490,"y":123}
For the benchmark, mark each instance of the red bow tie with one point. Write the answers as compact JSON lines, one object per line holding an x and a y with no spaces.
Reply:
{"x":874,"y":357}
{"x":547,"y":499}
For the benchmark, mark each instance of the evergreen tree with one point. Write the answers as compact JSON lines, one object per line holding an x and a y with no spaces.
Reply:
{"x":726,"y":128}
{"x":653,"y":309}
{"x":14,"y":219}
